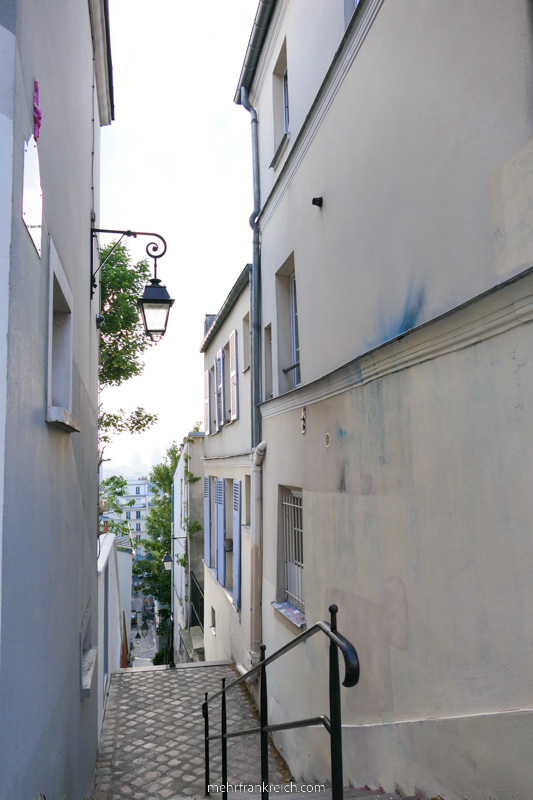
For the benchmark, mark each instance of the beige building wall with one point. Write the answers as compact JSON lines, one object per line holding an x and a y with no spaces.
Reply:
{"x":227,"y":457}
{"x":414,"y":299}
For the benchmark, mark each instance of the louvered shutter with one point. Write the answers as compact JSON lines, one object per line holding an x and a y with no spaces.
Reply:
{"x":207,"y":403}
{"x":233,"y":375}
{"x":237,"y":544}
{"x":207,"y":521}
{"x":219,"y":378}
{"x":220,"y":530}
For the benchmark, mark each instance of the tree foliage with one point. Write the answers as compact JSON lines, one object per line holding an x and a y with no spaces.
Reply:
{"x":111,"y":491}
{"x":155,"y":578}
{"x":122,"y":339}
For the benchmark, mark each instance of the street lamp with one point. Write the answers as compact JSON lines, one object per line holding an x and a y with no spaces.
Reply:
{"x":138,"y":636}
{"x":144,"y":629}
{"x":155,"y":303}
{"x":168,"y":563}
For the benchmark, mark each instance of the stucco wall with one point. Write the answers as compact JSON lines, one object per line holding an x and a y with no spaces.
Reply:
{"x":416,"y":520}
{"x":420,"y":150}
{"x":49,"y":522}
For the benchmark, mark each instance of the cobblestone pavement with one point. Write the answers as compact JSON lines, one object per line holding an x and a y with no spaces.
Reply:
{"x":152,"y":745}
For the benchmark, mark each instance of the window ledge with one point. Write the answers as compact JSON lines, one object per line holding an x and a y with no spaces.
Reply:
{"x":63,"y":419}
{"x":88,"y":663}
{"x":286,"y":612}
{"x":279,"y":152}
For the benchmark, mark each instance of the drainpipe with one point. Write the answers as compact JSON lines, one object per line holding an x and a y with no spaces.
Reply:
{"x":256,"y":589}
{"x":255,"y":279}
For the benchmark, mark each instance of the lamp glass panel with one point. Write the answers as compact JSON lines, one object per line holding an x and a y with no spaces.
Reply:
{"x":156,"y":316}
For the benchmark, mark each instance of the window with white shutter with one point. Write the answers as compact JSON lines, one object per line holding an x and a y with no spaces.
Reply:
{"x":219,"y":378}
{"x":233,"y":376}
{"x":207,"y":402}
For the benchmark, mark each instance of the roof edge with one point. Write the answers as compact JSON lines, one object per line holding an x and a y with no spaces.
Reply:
{"x":262,"y":19}
{"x":241,"y":282}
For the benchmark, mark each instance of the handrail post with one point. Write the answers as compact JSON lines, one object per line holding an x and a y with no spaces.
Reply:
{"x":335,"y":713}
{"x":263,"y":711}
{"x":224,"y":744}
{"x":205,"y":712}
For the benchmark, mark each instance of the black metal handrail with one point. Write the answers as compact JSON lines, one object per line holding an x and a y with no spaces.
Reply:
{"x":332,"y":724}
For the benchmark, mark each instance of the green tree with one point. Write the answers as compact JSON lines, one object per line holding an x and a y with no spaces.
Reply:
{"x":155,"y":578}
{"x":122,"y":339}
{"x":111,"y":491}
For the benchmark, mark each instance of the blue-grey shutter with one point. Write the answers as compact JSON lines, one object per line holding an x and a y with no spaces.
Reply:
{"x":220,"y":529}
{"x":207,"y":521}
{"x":237,"y":544}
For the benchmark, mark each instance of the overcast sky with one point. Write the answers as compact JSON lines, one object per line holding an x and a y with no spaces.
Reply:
{"x":177,"y":161}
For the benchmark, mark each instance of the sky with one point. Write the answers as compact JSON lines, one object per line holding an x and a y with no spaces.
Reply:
{"x":177,"y":161}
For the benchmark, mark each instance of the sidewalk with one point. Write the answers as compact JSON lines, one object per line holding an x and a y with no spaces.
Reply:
{"x":152,"y":741}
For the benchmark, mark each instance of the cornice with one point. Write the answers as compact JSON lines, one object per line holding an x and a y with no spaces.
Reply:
{"x":501,"y":309}
{"x":343,"y":60}
{"x":241,"y":460}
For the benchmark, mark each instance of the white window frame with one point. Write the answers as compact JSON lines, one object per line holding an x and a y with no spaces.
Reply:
{"x":233,"y":376}
{"x":295,"y":337}
{"x":293,"y":553}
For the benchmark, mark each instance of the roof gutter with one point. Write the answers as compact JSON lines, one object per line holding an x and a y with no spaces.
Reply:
{"x":253,"y":51}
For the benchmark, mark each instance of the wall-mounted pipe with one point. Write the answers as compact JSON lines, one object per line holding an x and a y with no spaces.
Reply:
{"x":256,"y":587}
{"x":255,"y":282}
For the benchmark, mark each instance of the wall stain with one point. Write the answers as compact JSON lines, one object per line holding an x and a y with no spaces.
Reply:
{"x":406,"y":318}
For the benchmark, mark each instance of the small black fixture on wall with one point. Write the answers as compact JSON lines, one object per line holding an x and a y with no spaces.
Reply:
{"x":318,"y":201}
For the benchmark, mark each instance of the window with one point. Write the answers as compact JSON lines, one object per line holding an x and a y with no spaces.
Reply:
{"x":293,"y":554}
{"x":128,"y":514}
{"x":280,"y":102}
{"x":233,"y":377}
{"x":349,"y":8}
{"x":59,"y":347}
{"x":268,"y":362}
{"x":295,"y":340}
{"x":138,"y":537}
{"x":137,"y":490}
{"x":288,"y":339}
{"x":137,"y":515}
{"x":137,"y":526}
{"x":246,"y":342}
{"x":224,"y":377}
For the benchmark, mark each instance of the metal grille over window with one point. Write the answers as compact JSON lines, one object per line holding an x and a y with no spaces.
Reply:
{"x":291,"y":503}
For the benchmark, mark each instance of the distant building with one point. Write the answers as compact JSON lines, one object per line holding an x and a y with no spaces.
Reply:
{"x":139,"y":493}
{"x":188,"y":551}
{"x":227,"y":475}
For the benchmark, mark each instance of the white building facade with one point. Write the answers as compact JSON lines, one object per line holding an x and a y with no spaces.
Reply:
{"x":395,"y":232}
{"x":51,"y":110}
{"x":227,"y":474}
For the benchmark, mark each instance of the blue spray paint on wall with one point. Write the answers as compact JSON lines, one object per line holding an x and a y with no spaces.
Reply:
{"x":405,"y":318}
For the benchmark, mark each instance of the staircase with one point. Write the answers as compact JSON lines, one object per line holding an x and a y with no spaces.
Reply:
{"x":152,"y":747}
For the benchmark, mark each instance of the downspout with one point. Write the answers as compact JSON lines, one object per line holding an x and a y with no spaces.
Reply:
{"x":258,"y":447}
{"x":255,"y":279}
{"x":256,"y":589}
